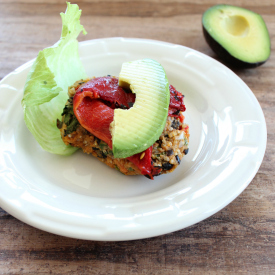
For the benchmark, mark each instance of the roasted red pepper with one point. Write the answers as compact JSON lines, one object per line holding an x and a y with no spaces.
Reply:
{"x":176,"y":102}
{"x":95,"y":116}
{"x":107,"y":89}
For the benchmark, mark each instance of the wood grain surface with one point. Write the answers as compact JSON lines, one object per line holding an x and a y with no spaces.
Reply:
{"x":240,"y":239}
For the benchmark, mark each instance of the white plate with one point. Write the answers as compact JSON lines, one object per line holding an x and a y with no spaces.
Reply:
{"x":78,"y":196}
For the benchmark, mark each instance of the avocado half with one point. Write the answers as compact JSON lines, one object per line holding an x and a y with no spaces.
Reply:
{"x":237,"y":35}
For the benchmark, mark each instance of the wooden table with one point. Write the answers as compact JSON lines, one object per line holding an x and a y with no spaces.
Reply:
{"x":237,"y":240}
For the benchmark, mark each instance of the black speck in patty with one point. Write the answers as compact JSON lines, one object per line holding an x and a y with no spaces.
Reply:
{"x":178,"y":159}
{"x":59,"y":124}
{"x":97,"y":140}
{"x":176,"y":113}
{"x":167,"y":166}
{"x":175,"y":124}
{"x":159,"y":142}
{"x":101,"y":155}
{"x":169,"y":152}
{"x":186,"y":151}
{"x":123,"y":106}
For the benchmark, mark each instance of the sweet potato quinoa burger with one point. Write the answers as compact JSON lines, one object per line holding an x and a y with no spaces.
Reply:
{"x":87,"y":123}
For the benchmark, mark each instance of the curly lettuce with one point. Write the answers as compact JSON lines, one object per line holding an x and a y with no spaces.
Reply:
{"x":45,"y":91}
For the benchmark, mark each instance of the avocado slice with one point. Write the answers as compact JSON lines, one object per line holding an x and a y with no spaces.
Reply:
{"x":237,"y":35}
{"x":136,"y":129}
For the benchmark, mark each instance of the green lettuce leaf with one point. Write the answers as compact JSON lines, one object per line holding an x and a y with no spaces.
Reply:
{"x":45,"y":92}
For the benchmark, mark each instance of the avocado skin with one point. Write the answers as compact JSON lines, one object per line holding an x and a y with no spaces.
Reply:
{"x":225,"y":55}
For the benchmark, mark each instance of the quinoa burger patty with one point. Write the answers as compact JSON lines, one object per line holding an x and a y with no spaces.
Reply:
{"x":167,"y":151}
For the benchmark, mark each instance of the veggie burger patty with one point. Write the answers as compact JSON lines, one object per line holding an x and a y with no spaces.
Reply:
{"x":163,"y":157}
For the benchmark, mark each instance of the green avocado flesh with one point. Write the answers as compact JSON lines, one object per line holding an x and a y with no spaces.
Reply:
{"x":237,"y":35}
{"x":136,"y":129}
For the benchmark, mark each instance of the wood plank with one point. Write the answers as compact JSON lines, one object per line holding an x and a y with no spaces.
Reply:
{"x":239,"y":239}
